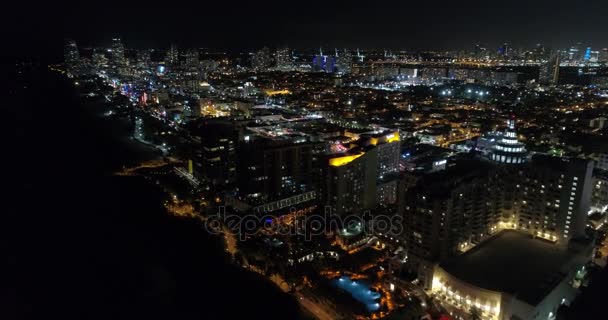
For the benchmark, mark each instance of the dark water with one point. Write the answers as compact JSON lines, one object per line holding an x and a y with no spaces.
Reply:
{"x":81,"y":244}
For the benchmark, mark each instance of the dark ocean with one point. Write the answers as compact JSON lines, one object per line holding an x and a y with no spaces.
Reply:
{"x":79,"y":243}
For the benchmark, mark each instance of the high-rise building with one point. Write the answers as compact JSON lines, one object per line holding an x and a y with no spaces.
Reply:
{"x":445,"y":212}
{"x":192,"y":59}
{"x":261,"y":60}
{"x":451,"y":211}
{"x":284,"y":59}
{"x":556,"y":194}
{"x":599,"y":198}
{"x":504,"y":50}
{"x":118,"y":52}
{"x":270,"y":169}
{"x":144,"y":58}
{"x":99,"y":59}
{"x":365,"y":175}
{"x":172,"y":58}
{"x":344,"y":61}
{"x":603,"y":55}
{"x":350,"y":181}
{"x":214,"y":151}
{"x":549,"y":72}
{"x":576,"y":53}
{"x":480,"y":52}
{"x":70,"y":53}
{"x":323,"y":62}
{"x":587,"y":55}
{"x":602,"y":161}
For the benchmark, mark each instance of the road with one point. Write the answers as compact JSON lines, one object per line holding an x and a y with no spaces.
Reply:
{"x":145,"y":165}
{"x":314,"y":308}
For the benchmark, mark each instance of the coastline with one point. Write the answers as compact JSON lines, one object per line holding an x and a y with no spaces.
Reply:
{"x":88,"y":244}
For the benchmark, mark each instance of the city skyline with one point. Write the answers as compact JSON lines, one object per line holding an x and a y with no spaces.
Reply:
{"x":313,"y":160}
{"x":234,"y":26}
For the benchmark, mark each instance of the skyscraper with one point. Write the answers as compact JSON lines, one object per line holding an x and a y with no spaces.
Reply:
{"x":270,"y":169}
{"x":262,"y":59}
{"x":587,"y":55}
{"x":350,"y":181}
{"x":284,"y":59}
{"x":344,"y":61}
{"x":453,"y":210}
{"x":144,"y":58}
{"x":603,"y":55}
{"x":172,"y":58}
{"x":70,"y":53}
{"x":575,"y":53}
{"x":504,"y":50}
{"x":118,"y":52}
{"x":549,"y":72}
{"x":214,"y":151}
{"x":192,"y":59}
{"x":323,"y":62}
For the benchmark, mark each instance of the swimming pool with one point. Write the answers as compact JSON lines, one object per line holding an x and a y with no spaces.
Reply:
{"x":360,"y":290}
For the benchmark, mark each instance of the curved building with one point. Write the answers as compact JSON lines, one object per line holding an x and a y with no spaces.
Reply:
{"x":512,"y":276}
{"x":508,"y":149}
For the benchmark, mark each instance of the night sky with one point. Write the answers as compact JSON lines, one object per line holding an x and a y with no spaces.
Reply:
{"x":414,"y":25}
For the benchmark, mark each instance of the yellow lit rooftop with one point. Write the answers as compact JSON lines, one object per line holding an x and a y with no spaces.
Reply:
{"x":337,"y":162}
{"x":391,"y":137}
{"x":277,"y":92}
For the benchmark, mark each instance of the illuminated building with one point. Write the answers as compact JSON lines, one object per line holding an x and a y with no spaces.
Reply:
{"x":365,"y":175}
{"x":118,"y":52}
{"x":172,"y":58}
{"x":594,"y":56}
{"x":388,"y":147}
{"x":549,"y":72}
{"x":443,"y":210}
{"x":99,"y":60}
{"x":192,"y":59}
{"x":511,"y":276}
{"x":504,"y":50}
{"x":144,"y":59}
{"x":214,"y":151}
{"x":350,"y":181}
{"x":274,"y":168}
{"x":284,"y":59}
{"x":602,"y":161}
{"x":323,"y":62}
{"x":70,"y":54}
{"x":508,"y":149}
{"x":555,"y":198}
{"x":261,"y":60}
{"x":452,"y":211}
{"x":599,"y":198}
{"x":344,"y":61}
{"x":434,"y":74}
{"x":603,"y":55}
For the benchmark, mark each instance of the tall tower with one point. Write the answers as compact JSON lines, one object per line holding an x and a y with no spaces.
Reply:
{"x":284,"y":60}
{"x":549,"y":72}
{"x":192,"y":58}
{"x":172,"y":58}
{"x":118,"y":52}
{"x":262,"y":59}
{"x":70,"y":53}
{"x":344,"y":62}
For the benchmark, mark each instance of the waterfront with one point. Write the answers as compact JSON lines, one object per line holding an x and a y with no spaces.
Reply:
{"x":109,"y":249}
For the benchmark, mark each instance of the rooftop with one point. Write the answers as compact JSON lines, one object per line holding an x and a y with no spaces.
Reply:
{"x":514,"y":263}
